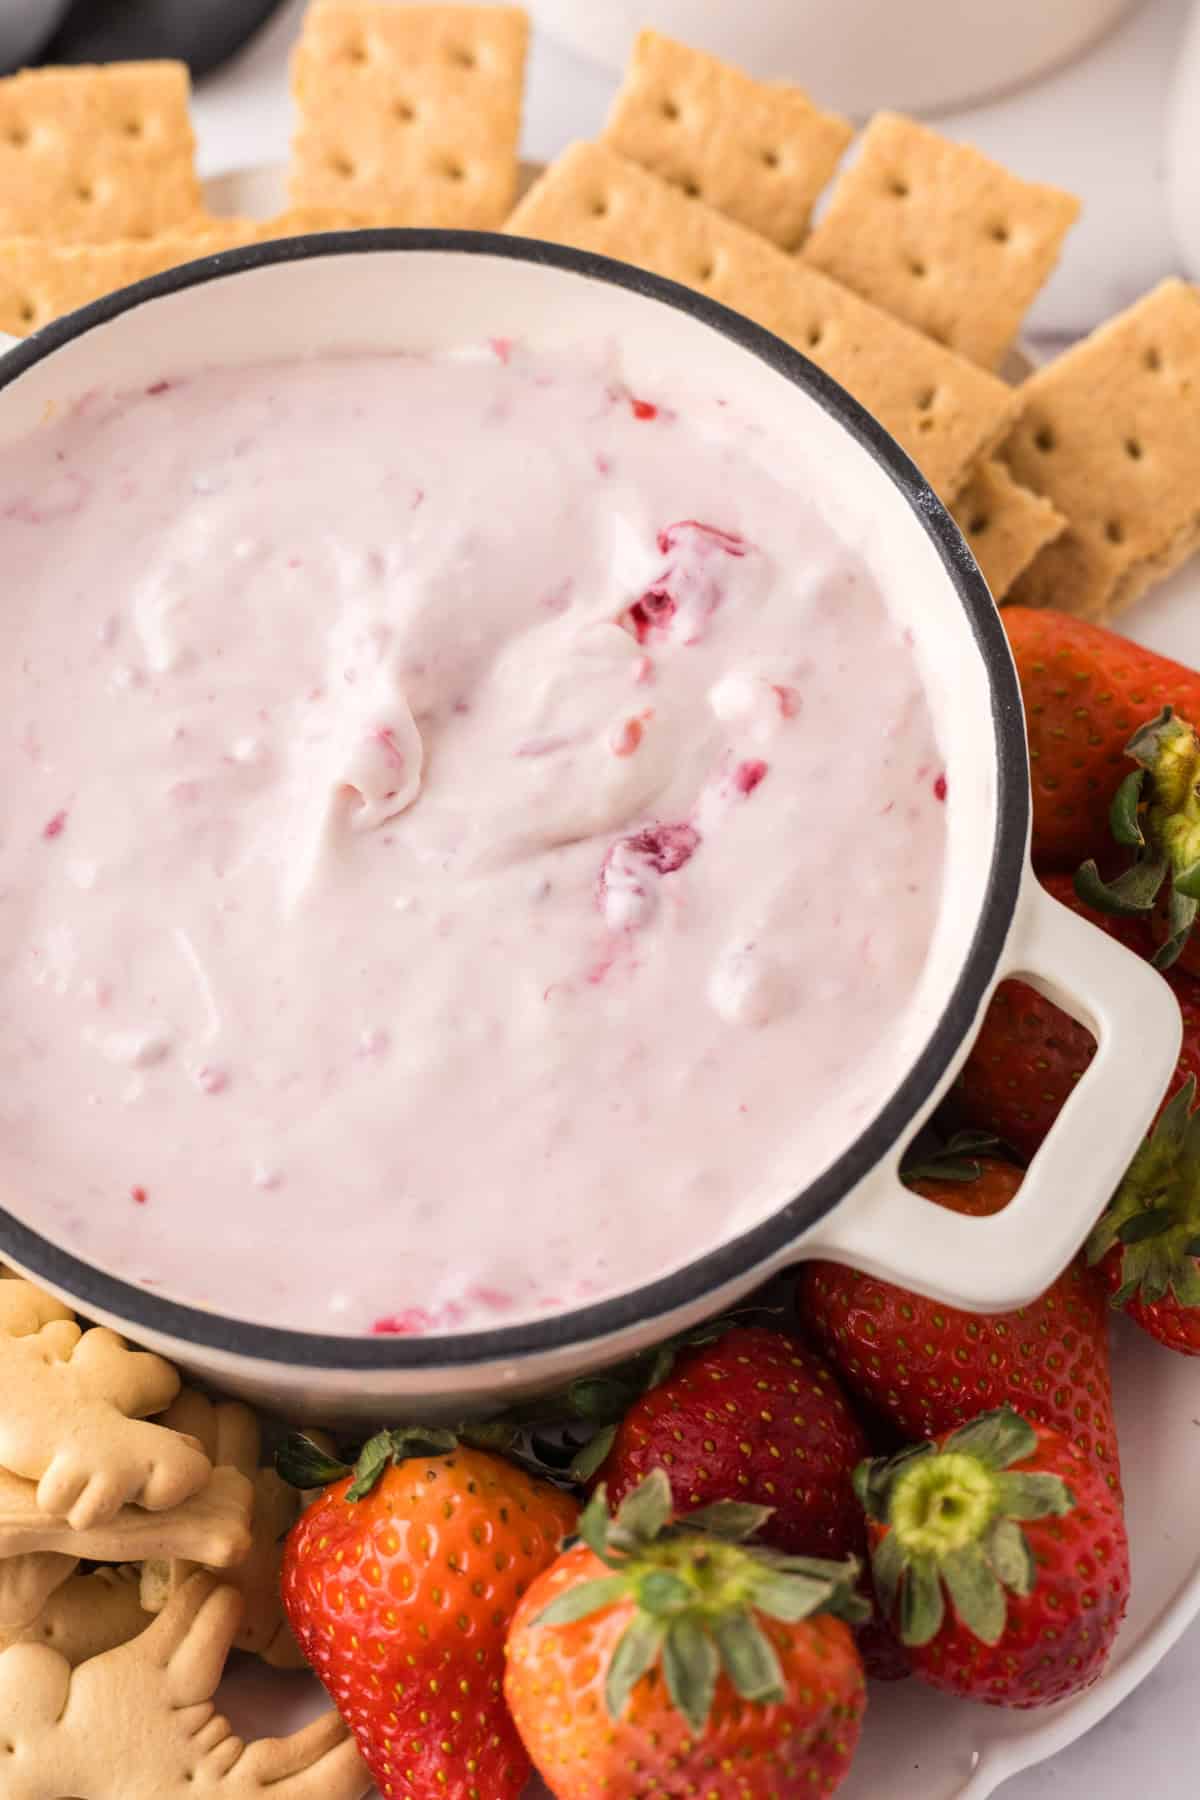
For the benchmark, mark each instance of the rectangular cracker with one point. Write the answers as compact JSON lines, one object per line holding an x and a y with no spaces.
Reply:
{"x":758,"y":152}
{"x":942,"y":237}
{"x":1110,"y":432}
{"x":413,"y":110}
{"x":40,"y":281}
{"x":1005,"y":524}
{"x":947,"y":413}
{"x":92,"y":154}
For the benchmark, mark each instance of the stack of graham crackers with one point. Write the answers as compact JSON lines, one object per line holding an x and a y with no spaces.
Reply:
{"x":1078,"y":488}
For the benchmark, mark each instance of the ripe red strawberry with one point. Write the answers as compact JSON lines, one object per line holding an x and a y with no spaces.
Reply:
{"x":400,"y":1584}
{"x":1001,"y":1557}
{"x":677,"y":1660}
{"x":929,"y":1367}
{"x":1148,"y":1242}
{"x":752,"y":1416}
{"x":1029,"y":1055}
{"x":1086,"y":691}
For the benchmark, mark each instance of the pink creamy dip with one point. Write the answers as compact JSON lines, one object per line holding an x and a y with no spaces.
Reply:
{"x":470,"y":837}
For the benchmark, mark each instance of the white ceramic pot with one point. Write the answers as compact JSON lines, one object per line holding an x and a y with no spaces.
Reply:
{"x":391,"y":291}
{"x":853,"y":55}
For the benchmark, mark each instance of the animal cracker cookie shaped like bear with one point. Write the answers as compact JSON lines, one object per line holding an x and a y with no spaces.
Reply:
{"x":26,"y":1584}
{"x":139,"y":1722}
{"x":211,"y":1527}
{"x":231,"y":1437}
{"x":74,"y":1415}
{"x":86,"y":1616}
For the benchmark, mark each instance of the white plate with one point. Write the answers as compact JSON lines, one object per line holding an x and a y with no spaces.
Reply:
{"x":913,"y":1736}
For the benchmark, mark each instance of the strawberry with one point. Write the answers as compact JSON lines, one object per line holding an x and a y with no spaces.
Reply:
{"x":675,"y":1659}
{"x":1148,"y":1242}
{"x":1086,"y":691}
{"x":1001,"y":1557}
{"x":1155,"y":813}
{"x":757,"y":1416}
{"x":929,"y":1367}
{"x":399,"y":1584}
{"x":1029,"y":1054}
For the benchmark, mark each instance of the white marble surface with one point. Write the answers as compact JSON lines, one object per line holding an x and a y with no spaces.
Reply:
{"x":1095,"y":128}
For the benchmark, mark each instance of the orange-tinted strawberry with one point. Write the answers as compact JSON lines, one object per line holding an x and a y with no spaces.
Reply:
{"x":1001,"y":1558}
{"x":929,"y":1367}
{"x":753,"y":1415}
{"x":678,"y":1660}
{"x":400,"y":1584}
{"x":1086,"y":691}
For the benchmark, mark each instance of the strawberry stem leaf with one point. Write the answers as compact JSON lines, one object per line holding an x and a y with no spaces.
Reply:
{"x":586,"y":1462}
{"x":732,"y":1520}
{"x":748,"y":1658}
{"x":922,"y":1608}
{"x":644,"y":1513}
{"x":977,"y":1595}
{"x":1010,"y":1556}
{"x":999,"y":1438}
{"x":1123,"y":814}
{"x":691,"y":1665}
{"x":1153,"y":1220}
{"x":303,"y":1464}
{"x":582,"y":1601}
{"x":636,"y":1653}
{"x":387,"y":1448}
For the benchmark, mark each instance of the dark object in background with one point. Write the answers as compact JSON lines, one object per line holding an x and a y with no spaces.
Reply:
{"x":201,"y":33}
{"x":25,"y":28}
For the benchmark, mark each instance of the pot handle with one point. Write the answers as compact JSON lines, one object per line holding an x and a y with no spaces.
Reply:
{"x":998,"y":1264}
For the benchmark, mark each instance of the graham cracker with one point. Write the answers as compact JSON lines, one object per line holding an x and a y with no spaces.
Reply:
{"x":941,"y":236}
{"x":946,"y":413}
{"x":92,"y":154}
{"x":758,"y":152}
{"x":40,"y":281}
{"x":1005,"y":524}
{"x":413,"y":110}
{"x":1110,"y":433}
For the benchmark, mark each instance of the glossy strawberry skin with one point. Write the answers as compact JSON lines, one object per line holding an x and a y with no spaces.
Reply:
{"x":1086,"y":690}
{"x":928,"y":1367}
{"x":1029,"y":1056}
{"x":1057,"y":1640}
{"x":401,"y":1602}
{"x":752,"y":1416}
{"x":1174,"y":1325}
{"x":554,"y":1687}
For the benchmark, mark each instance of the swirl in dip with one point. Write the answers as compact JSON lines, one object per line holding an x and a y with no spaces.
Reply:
{"x":471,"y":836}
